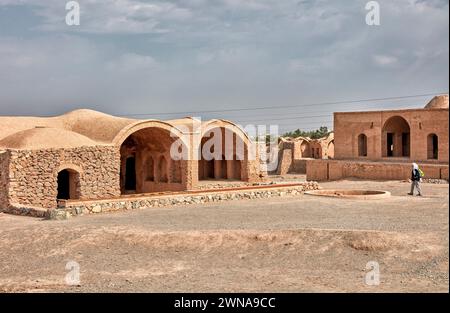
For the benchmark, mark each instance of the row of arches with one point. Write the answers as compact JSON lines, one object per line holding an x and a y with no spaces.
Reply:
{"x":432,"y":147}
{"x":221,"y":160}
{"x":396,"y":140}
{"x":149,"y":166}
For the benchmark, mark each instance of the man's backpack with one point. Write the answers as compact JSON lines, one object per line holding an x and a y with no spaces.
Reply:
{"x":421,"y":173}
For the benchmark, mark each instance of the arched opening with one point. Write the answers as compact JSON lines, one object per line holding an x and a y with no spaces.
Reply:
{"x":162,"y":170}
{"x":432,"y":147}
{"x":223,"y":163}
{"x":362,"y":145}
{"x":236,"y":168}
{"x":221,"y":154}
{"x":316,"y":151}
{"x":130,"y":174}
{"x":176,"y":172}
{"x":305,"y":149}
{"x":150,"y":169}
{"x":331,"y":149}
{"x":68,"y":185}
{"x":319,"y":153}
{"x":147,"y":164}
{"x":396,"y":137}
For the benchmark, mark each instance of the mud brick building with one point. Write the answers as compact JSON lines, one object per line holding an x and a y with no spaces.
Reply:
{"x":382,"y":144}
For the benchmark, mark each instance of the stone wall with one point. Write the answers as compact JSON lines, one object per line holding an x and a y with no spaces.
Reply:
{"x":322,"y":170}
{"x":4,"y":178}
{"x":33,"y":174}
{"x":74,"y":208}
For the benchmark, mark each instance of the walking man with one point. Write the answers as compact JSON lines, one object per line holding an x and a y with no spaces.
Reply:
{"x":416,"y":177}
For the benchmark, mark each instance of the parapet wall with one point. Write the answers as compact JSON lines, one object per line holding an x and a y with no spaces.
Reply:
{"x":323,"y":170}
{"x":33,"y":174}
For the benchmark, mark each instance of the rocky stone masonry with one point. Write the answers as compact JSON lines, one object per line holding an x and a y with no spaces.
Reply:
{"x":4,"y":175}
{"x":93,"y":207}
{"x":33,"y":174}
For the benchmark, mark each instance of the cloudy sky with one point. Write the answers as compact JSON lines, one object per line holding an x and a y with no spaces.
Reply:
{"x":154,"y":57}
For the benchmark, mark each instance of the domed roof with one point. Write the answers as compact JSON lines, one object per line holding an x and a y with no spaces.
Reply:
{"x":45,"y":138}
{"x":95,"y":125}
{"x":438,"y":102}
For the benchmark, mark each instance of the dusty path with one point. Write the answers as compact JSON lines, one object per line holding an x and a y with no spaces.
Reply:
{"x":292,"y":244}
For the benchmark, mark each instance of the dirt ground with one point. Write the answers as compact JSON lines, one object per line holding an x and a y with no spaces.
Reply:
{"x":292,"y":244}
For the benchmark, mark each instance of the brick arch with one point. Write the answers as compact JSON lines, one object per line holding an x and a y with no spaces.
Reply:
{"x":70,"y":166}
{"x":362,"y":145}
{"x":133,"y":128}
{"x":227,"y":125}
{"x":395,"y":136}
{"x":68,"y":181}
{"x":236,"y":168}
{"x":151,"y":140}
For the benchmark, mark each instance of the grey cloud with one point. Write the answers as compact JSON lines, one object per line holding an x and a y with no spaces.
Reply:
{"x":144,"y":56}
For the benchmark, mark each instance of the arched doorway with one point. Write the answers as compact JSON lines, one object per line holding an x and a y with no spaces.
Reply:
{"x":68,"y":184}
{"x":305,"y":149}
{"x":331,"y":149}
{"x":147,"y":164}
{"x":362,"y":145}
{"x":396,"y":137}
{"x":130,"y":174}
{"x":432,"y":147}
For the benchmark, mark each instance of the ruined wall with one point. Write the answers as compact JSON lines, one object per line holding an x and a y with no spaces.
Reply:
{"x":4,"y":178}
{"x":322,"y":170}
{"x":295,"y":151}
{"x":33,"y":174}
{"x":285,"y":161}
{"x":422,"y":122}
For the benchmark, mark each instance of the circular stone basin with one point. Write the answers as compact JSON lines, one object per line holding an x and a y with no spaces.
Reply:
{"x":351,"y":194}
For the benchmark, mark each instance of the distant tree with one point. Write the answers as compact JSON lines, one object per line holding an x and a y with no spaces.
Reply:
{"x":313,"y":134}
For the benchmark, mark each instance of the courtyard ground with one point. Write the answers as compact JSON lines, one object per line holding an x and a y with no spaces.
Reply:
{"x":291,"y":244}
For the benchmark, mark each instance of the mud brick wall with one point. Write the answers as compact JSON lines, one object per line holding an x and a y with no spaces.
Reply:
{"x":33,"y":174}
{"x":322,"y":170}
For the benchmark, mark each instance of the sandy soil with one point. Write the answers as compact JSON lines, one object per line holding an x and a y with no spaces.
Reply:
{"x":292,"y":244}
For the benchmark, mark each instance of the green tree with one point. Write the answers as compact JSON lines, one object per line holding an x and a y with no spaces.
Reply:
{"x":313,"y":134}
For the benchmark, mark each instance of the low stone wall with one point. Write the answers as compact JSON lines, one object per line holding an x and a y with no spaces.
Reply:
{"x":323,"y":170}
{"x":18,"y":209}
{"x":74,"y":208}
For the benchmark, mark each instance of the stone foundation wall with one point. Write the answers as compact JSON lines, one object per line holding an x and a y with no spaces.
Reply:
{"x":73,"y":208}
{"x":322,"y":170}
{"x":4,"y":177}
{"x":33,"y":174}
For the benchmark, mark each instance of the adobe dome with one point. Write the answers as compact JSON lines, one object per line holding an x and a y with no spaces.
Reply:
{"x":438,"y":102}
{"x":45,"y":138}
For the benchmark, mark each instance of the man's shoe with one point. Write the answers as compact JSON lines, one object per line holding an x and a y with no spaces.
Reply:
{"x":411,"y":194}
{"x":419,"y":195}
